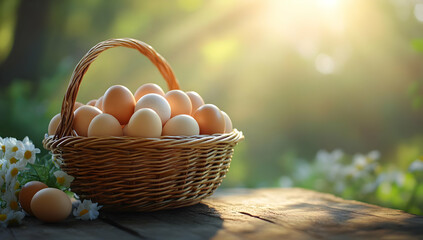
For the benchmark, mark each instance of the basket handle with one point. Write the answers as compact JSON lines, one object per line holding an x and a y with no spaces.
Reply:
{"x":65,"y":125}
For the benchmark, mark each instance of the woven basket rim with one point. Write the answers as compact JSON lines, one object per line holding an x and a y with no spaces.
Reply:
{"x":235,"y":136}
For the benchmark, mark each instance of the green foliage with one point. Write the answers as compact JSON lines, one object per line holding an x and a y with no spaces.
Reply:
{"x":42,"y":170}
{"x":362,"y":177}
{"x":417,"y":45}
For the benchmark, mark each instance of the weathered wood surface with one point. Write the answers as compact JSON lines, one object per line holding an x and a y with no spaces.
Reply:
{"x":234,"y":214}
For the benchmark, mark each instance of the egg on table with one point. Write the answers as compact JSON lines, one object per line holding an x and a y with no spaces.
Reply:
{"x":119,"y":102}
{"x":83,"y":117}
{"x":146,"y":89}
{"x":156,"y":102}
{"x":179,"y":102}
{"x":27,"y":193}
{"x":210,"y":119}
{"x":104,"y":125}
{"x":51,"y":205}
{"x":144,"y":123}
{"x":181,"y":125}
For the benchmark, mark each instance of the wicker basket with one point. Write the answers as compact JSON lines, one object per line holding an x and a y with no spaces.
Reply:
{"x":139,"y":174}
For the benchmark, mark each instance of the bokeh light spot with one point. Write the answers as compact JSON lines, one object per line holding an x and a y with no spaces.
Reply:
{"x":325,"y":64}
{"x":418,"y":12}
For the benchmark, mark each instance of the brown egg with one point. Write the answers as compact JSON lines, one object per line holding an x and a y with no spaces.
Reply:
{"x":179,"y":102}
{"x":51,"y":205}
{"x":196,"y":101}
{"x":228,"y":123}
{"x":156,"y":102}
{"x":83,"y":117}
{"x":119,"y":102}
{"x":144,"y":123}
{"x":146,"y":89}
{"x":27,"y":192}
{"x":54,"y":123}
{"x":99,"y":103}
{"x":92,"y":102}
{"x":181,"y":125}
{"x":210,"y":119}
{"x":104,"y":125}
{"x":77,"y":105}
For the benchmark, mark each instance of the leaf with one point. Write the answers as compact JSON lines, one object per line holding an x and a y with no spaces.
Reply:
{"x":42,"y":170}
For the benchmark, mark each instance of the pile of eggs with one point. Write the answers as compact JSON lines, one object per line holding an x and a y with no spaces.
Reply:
{"x":150,"y":112}
{"x":47,"y":204}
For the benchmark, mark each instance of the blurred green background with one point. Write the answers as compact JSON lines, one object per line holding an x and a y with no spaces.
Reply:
{"x":295,"y":76}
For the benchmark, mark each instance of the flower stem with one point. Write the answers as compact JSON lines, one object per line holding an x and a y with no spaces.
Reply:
{"x":413,"y":196}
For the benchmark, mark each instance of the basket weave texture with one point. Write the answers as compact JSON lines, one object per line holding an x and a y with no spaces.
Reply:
{"x":139,"y":174}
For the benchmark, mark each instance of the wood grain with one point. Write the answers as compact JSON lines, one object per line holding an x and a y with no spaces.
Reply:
{"x":240,"y":214}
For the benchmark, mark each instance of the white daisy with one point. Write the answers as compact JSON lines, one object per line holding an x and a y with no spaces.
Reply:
{"x":416,"y":166}
{"x":13,"y":170}
{"x":13,"y":186}
{"x":14,"y":218}
{"x":56,"y":161}
{"x":86,"y":210}
{"x":12,"y":147}
{"x":9,"y":217}
{"x":11,"y":200}
{"x":3,"y":216}
{"x":3,"y":171}
{"x":26,"y":140}
{"x":29,"y":151}
{"x":285,"y":182}
{"x":324,"y":157}
{"x":63,"y":178}
{"x":363,"y":165}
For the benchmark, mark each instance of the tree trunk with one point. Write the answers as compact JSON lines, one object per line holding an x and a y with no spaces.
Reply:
{"x":24,"y":60}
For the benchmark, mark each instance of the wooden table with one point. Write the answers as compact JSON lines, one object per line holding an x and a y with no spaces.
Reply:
{"x":240,"y":214}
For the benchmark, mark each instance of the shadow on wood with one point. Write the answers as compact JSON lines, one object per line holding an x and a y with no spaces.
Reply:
{"x":195,"y":222}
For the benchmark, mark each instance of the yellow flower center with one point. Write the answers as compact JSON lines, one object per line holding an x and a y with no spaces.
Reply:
{"x":14,"y":205}
{"x":3,"y":148}
{"x":13,"y":160}
{"x":60,"y":180}
{"x":83,"y":212}
{"x":28,"y":154}
{"x":359,"y":167}
{"x":3,"y":217}
{"x":14,"y":149}
{"x":17,"y":185}
{"x":14,"y":172}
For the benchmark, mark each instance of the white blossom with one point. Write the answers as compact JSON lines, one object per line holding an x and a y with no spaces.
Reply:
{"x":28,"y":152}
{"x":63,"y":178}
{"x":8,"y":217}
{"x":286,"y":182}
{"x":416,"y":166}
{"x":86,"y":210}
